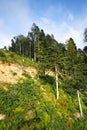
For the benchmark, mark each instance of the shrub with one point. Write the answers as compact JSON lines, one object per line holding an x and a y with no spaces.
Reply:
{"x":2,"y":54}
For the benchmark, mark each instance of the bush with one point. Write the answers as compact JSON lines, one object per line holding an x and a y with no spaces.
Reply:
{"x":2,"y":54}
{"x":26,"y":74}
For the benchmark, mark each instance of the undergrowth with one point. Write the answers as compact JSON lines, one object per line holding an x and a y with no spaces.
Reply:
{"x":32,"y":105}
{"x":28,"y":105}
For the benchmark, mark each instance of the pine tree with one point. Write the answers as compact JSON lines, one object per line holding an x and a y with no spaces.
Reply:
{"x":70,"y":56}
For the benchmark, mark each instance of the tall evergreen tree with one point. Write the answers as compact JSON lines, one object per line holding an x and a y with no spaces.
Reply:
{"x":40,"y":47}
{"x":70,"y":55}
{"x":35,"y":31}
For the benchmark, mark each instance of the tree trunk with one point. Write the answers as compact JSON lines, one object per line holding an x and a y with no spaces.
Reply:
{"x":80,"y":107}
{"x":35,"y":56}
{"x":30,"y":51}
{"x":20,"y":49}
{"x":57,"y":91}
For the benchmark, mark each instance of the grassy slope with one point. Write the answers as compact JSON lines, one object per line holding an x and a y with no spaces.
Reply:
{"x":32,"y":104}
{"x":11,"y":57}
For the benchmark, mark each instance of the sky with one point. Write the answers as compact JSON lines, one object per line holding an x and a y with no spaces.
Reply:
{"x":62,"y":18}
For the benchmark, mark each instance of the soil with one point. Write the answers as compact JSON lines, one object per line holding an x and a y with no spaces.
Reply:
{"x":11,"y":73}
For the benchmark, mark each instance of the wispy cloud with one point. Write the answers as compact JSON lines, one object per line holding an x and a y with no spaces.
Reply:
{"x":4,"y":40}
{"x":65,"y":28}
{"x":64,"y":31}
{"x":17,"y":17}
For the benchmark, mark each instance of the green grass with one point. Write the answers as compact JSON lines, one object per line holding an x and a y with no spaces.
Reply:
{"x":11,"y":57}
{"x":32,"y":105}
{"x":25,"y":106}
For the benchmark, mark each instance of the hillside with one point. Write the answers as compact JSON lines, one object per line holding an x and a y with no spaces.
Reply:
{"x":11,"y":73}
{"x":28,"y":102}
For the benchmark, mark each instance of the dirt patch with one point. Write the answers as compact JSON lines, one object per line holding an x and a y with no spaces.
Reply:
{"x":11,"y":73}
{"x":2,"y":116}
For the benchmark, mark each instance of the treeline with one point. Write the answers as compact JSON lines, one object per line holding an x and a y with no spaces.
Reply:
{"x":45,"y":50}
{"x":32,"y":45}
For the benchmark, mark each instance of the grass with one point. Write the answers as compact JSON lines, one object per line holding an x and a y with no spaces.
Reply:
{"x":26,"y":106}
{"x":26,"y":74}
{"x":10,"y":57}
{"x":32,"y":105}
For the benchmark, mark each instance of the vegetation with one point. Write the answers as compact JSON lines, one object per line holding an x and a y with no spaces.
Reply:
{"x":32,"y":104}
{"x":10,"y":57}
{"x":48,"y":53}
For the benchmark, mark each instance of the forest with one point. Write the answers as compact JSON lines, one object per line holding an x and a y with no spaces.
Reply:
{"x":45,"y":102}
{"x":48,"y":53}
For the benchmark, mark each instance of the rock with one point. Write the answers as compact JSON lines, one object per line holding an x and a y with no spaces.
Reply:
{"x":77,"y":114}
{"x":2,"y":116}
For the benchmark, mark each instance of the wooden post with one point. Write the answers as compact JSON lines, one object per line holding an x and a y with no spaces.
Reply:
{"x":57,"y":91}
{"x":80,"y":107}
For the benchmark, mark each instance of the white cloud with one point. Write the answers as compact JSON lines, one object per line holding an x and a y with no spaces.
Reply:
{"x":18,"y":18}
{"x":64,"y":30}
{"x":5,"y":40}
{"x":21,"y":15}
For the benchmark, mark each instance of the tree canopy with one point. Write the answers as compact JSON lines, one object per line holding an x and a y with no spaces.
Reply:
{"x":48,"y":53}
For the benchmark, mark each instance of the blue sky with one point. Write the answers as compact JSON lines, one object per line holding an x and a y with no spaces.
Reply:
{"x":63,"y":18}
